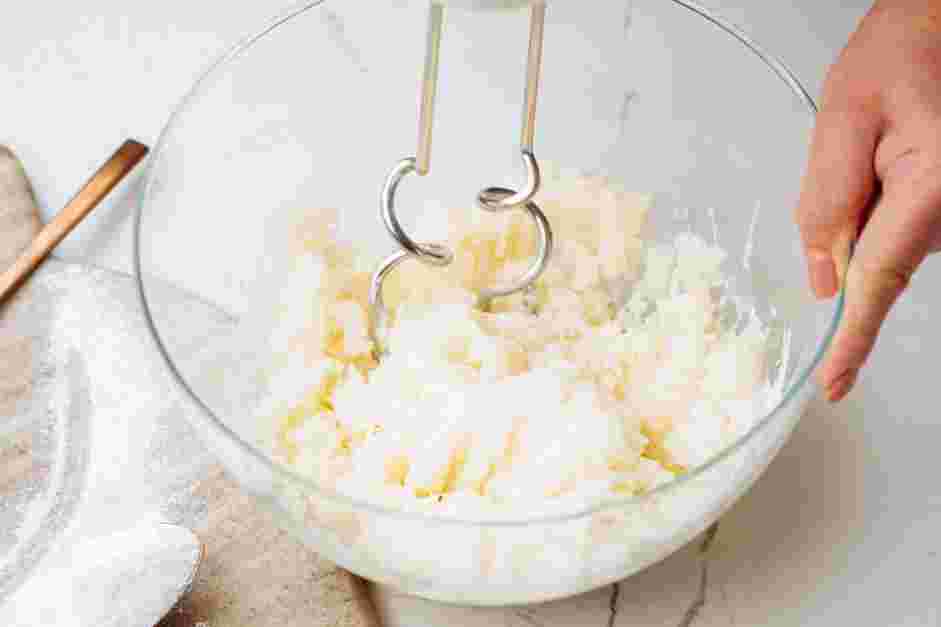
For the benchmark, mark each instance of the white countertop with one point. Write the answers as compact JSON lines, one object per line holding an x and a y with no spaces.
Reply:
{"x":843,"y":529}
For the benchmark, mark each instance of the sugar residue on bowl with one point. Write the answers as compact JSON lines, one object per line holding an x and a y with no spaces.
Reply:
{"x":616,"y":373}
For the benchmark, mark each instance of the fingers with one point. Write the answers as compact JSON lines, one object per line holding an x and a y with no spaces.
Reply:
{"x":897,"y":238}
{"x":936,"y":242}
{"x":837,"y":188}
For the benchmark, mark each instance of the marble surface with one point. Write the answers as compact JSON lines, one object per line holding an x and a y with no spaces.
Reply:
{"x":843,"y":527}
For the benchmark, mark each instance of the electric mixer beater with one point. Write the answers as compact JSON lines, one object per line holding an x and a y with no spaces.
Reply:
{"x":492,"y":199}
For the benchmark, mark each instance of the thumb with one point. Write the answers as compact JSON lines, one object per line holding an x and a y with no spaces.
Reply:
{"x":838,"y":186}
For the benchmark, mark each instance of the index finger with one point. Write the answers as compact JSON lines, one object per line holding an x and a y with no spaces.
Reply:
{"x":893,"y":244}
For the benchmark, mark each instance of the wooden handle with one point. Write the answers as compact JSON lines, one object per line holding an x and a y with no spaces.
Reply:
{"x":103,"y":181}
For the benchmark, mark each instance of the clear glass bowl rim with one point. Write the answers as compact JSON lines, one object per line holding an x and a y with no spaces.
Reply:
{"x":223,"y":430}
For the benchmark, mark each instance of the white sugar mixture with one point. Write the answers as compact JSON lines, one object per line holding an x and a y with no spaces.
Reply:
{"x":615,"y":374}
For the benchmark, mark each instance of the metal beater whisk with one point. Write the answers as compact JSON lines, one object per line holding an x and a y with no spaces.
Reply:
{"x":494,"y":199}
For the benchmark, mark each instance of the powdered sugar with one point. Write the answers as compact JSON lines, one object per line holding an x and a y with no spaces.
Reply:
{"x":126,"y":579}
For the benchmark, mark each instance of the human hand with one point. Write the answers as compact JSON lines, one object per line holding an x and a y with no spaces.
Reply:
{"x":875,"y":172}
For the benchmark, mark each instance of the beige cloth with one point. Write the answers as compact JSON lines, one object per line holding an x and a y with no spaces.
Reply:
{"x":253,"y":573}
{"x":19,"y":219}
{"x":19,"y":223}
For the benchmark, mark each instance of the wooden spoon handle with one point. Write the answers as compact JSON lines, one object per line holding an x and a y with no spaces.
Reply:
{"x":100,"y":184}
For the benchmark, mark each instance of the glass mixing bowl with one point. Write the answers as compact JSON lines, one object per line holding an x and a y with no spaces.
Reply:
{"x":313,"y":111}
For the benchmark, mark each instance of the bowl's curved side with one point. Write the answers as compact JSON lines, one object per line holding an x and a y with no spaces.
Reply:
{"x":497,"y":560}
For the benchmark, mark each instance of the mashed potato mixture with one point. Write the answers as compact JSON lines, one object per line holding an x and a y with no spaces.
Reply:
{"x":615,"y":373}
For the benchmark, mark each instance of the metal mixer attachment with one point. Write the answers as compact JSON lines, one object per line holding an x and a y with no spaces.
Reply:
{"x":493,"y":199}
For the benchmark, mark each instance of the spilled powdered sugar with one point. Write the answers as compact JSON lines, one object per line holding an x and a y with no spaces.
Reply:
{"x":129,"y":578}
{"x":105,"y":453}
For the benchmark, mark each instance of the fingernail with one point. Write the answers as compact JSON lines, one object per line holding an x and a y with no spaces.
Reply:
{"x":841,"y":386}
{"x":823,"y":279}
